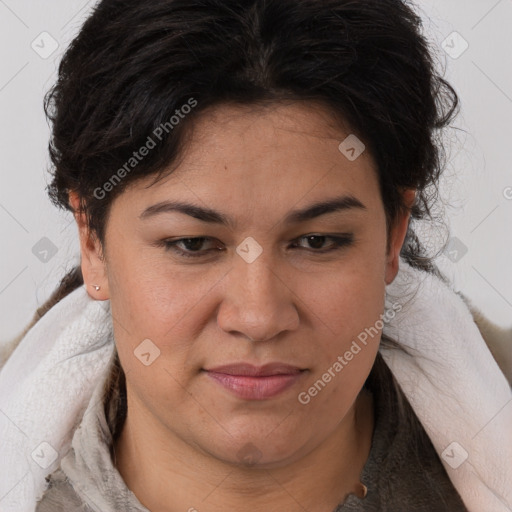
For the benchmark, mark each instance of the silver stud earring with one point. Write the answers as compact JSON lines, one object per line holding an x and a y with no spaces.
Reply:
{"x":97,"y":288}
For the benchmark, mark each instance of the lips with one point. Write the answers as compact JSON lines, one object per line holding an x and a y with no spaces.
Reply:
{"x":246,"y":369}
{"x":250,"y":382}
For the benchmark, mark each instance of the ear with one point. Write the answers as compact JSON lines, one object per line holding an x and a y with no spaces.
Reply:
{"x":92,"y":260}
{"x":397,"y":237}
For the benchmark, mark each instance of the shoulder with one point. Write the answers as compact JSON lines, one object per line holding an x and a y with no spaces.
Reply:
{"x":8,"y":348}
{"x":498,"y":339}
{"x":60,"y":496}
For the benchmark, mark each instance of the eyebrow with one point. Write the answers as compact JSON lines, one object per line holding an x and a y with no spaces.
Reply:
{"x":336,"y":204}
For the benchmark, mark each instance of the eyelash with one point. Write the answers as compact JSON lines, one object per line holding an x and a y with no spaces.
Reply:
{"x":339,"y":242}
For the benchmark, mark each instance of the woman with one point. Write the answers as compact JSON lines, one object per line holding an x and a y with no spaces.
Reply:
{"x":243,"y":175}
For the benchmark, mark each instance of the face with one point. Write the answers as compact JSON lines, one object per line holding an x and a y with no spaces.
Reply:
{"x":252,"y":276}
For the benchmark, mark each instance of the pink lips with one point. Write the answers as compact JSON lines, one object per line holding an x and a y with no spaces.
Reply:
{"x":255,"y":383}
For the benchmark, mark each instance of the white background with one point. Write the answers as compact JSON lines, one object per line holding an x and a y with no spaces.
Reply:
{"x":478,"y":174}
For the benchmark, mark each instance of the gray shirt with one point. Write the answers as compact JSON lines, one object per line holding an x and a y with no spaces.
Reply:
{"x":397,"y":480}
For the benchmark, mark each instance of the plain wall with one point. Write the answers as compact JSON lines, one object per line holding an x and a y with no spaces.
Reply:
{"x":40,"y":242}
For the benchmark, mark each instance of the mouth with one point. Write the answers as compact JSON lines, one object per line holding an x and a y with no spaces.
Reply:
{"x":250,"y":382}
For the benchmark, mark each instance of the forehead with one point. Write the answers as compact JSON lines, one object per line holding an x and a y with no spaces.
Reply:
{"x":292,"y":131}
{"x":256,"y":156}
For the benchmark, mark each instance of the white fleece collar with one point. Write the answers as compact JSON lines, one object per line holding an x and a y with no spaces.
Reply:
{"x":452,"y":382}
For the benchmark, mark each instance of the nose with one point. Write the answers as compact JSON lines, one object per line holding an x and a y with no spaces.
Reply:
{"x":257,"y":302}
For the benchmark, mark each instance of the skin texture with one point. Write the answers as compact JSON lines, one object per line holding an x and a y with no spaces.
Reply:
{"x":184,"y":435}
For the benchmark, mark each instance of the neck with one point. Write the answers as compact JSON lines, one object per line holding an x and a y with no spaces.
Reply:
{"x":169,"y":475}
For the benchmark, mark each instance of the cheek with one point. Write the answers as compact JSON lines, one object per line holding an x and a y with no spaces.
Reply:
{"x":347,"y":306}
{"x":344,"y":355}
{"x":349,"y":299}
{"x":150,"y":295}
{"x":166,"y":305}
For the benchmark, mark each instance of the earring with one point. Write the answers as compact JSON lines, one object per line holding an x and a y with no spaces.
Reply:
{"x":97,"y":288}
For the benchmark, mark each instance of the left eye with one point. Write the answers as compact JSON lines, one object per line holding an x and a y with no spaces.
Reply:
{"x":193,"y":247}
{"x":337,"y":242}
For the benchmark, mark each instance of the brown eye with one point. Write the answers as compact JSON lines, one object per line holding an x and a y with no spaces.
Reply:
{"x":316,"y":242}
{"x":190,"y":247}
